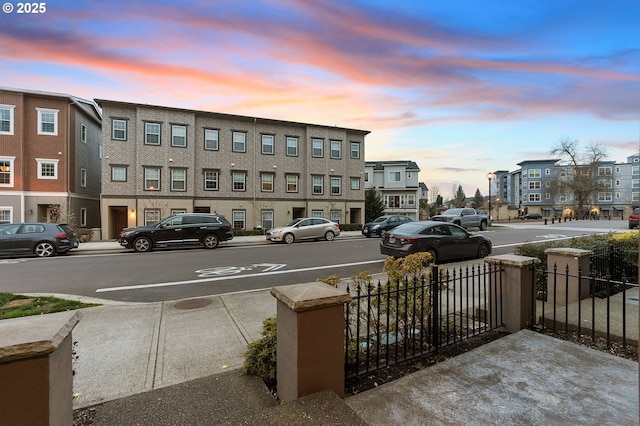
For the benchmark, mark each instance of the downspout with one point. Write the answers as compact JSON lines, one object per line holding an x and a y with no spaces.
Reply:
{"x":255,"y":180}
{"x":68,"y":163}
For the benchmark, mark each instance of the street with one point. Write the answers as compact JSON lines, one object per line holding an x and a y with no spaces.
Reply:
{"x":184,"y":273}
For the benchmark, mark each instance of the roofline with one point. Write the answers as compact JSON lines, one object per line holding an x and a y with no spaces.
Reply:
{"x":225,"y":115}
{"x":74,"y":99}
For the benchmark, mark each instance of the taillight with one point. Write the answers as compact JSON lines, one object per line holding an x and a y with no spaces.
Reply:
{"x":62,"y":235}
{"x":229,"y":227}
{"x":405,"y":241}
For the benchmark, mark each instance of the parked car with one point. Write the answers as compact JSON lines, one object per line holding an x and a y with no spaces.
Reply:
{"x":41,"y":239}
{"x":445,"y":241}
{"x":465,"y":217}
{"x":384,"y":223}
{"x":532,"y":216}
{"x":179,"y":230}
{"x":304,"y":228}
{"x":633,"y":218}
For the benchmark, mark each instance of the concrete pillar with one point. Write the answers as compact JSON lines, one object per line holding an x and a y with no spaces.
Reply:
{"x":36,"y":379}
{"x":577,"y":260}
{"x":518,"y":283}
{"x":310,"y":339}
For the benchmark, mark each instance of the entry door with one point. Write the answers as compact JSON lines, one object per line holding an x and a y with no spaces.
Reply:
{"x":119,"y":221}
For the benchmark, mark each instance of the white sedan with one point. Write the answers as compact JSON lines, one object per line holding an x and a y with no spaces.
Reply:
{"x":304,"y":228}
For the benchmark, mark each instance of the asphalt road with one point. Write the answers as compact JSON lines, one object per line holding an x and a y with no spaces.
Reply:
{"x":185,"y":273}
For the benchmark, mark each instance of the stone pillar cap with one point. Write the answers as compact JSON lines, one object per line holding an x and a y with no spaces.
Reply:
{"x":310,"y":296}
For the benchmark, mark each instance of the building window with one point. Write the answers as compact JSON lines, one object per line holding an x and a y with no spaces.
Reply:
{"x":178,"y":211}
{"x":547,"y":172}
{"x":605,"y":196}
{"x":355,"y":150}
{"x":83,"y":178}
{"x":47,"y":121}
{"x":604,"y":171}
{"x":239,"y":181}
{"x":534,"y":184}
{"x":366,"y":176}
{"x":336,"y":149}
{"x":6,"y":119}
{"x":83,"y":133}
{"x":335,"y":216}
{"x":152,"y":133}
{"x":317,"y":213}
{"x":317,"y":148}
{"x":267,"y":182}
{"x":395,"y":176}
{"x":534,"y":173}
{"x":411,"y":200}
{"x":119,"y":130}
{"x":534,"y":198}
{"x":6,"y":171}
{"x":83,"y":216}
{"x":267,"y":219}
{"x":211,"y":141}
{"x":178,"y":136}
{"x":178,"y":179}
{"x":355,"y":183}
{"x":238,"y":218}
{"x":393,"y":201}
{"x":267,"y":144}
{"x":292,"y":146}
{"x":239,"y":142}
{"x":151,"y":216}
{"x":152,"y":178}
{"x":119,"y":173}
{"x":211,"y":180}
{"x":562,"y":198}
{"x":292,"y":183}
{"x":6,"y":214}
{"x":317,"y":184}
{"x":336,"y":185}
{"x":47,"y":169}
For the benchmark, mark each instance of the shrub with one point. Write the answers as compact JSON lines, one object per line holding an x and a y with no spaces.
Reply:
{"x":260,"y":358}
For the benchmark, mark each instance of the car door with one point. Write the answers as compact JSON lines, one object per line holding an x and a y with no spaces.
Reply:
{"x":169,"y":232}
{"x":305,"y":229}
{"x":27,"y":236}
{"x":194,"y":228}
{"x":7,"y":237}
{"x":464,"y":246}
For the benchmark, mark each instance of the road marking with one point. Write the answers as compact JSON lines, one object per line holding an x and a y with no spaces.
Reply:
{"x":258,"y":274}
{"x":231,"y":270}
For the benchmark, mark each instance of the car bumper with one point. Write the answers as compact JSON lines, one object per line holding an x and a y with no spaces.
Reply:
{"x":395,"y":251}
{"x":633,"y":223}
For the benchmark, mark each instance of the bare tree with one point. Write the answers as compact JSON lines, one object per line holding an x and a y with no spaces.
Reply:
{"x":577,"y":173}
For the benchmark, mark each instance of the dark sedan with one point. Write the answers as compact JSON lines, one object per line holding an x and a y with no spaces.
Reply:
{"x":384,"y":223}
{"x":445,"y":241}
{"x":41,"y":239}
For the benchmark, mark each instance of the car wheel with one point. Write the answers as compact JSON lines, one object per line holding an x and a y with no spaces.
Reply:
{"x":44,"y":249}
{"x":483,"y":251}
{"x":329,"y":236}
{"x":434,"y":254}
{"x":288,"y":238}
{"x":142,"y":244}
{"x":211,"y":241}
{"x":483,"y":225}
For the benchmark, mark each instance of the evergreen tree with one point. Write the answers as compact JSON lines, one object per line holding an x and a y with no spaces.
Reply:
{"x":478,"y":200}
{"x":460,"y":199}
{"x":373,"y":205}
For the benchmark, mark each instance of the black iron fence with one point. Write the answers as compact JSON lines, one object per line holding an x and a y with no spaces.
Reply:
{"x":592,"y":307}
{"x":614,"y":262}
{"x":390,"y":323}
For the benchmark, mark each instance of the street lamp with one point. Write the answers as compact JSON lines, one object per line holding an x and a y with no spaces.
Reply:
{"x":490,"y":176}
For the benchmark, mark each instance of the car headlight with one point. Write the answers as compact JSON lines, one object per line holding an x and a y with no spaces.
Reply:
{"x":375,"y":226}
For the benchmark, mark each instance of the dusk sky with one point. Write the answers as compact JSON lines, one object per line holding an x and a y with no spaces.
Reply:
{"x":461,"y":87}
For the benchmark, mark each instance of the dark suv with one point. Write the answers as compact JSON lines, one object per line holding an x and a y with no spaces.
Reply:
{"x":633,"y":218}
{"x":179,"y":230}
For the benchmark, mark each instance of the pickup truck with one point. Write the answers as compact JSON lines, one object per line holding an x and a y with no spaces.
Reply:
{"x":465,"y":217}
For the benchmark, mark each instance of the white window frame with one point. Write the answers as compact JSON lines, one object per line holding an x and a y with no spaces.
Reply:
{"x":178,"y":140}
{"x":394,"y":177}
{"x":411,"y":199}
{"x":149,"y":132}
{"x":336,"y":185}
{"x":6,"y":210}
{"x":83,"y":216}
{"x":317,"y":147}
{"x":317,"y":185}
{"x":213,"y":178}
{"x":266,"y":180}
{"x":239,"y":141}
{"x":176,"y":179}
{"x":83,"y":177}
{"x":534,"y":197}
{"x":148,"y":187}
{"x":83,"y":133}
{"x":239,"y":181}
{"x":41,"y":114}
{"x":355,"y":183}
{"x":535,"y":173}
{"x":604,"y":196}
{"x":11,"y":109}
{"x":11,"y":172}
{"x":335,"y":216}
{"x":210,"y":140}
{"x":317,"y":213}
{"x":151,"y":216}
{"x":268,"y":144}
{"x":43,"y":161}
{"x":355,"y":149}
{"x":336,"y":149}
{"x":292,"y":180}
{"x":123,"y":130}
{"x":535,"y":184}
{"x":239,"y":216}
{"x":292,"y":146}
{"x":605,"y":171}
{"x":266,"y":219}
{"x":115,"y":176}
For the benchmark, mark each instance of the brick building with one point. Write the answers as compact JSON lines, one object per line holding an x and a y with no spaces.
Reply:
{"x":49,"y":158}
{"x":258,"y":172}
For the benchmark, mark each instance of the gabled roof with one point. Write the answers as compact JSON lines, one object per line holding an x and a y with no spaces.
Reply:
{"x":379,"y":165}
{"x":548,"y":161}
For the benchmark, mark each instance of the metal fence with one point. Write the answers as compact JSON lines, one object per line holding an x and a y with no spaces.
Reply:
{"x":612,"y":263}
{"x":600,"y":308}
{"x":390,"y":323}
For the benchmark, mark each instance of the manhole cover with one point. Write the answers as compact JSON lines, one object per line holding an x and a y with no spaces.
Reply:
{"x":192,"y":304}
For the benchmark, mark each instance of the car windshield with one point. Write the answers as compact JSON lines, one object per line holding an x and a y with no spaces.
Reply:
{"x":380,"y":219}
{"x":452,"y":212}
{"x":293,"y":222}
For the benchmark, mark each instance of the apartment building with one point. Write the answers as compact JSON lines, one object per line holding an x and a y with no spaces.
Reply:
{"x":398,"y":183}
{"x":49,"y":158}
{"x":258,"y":172}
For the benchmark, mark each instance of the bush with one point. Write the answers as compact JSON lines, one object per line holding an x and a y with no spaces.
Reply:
{"x":350,"y":227}
{"x":260,"y":358}
{"x":84,"y":234}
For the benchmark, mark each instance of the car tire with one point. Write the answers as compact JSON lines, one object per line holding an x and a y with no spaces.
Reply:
{"x":434,"y":254}
{"x":483,"y":225}
{"x":288,"y":238}
{"x":210,"y":241}
{"x":329,"y":235}
{"x":44,"y":249}
{"x":142,"y":244}
{"x":483,"y":251}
